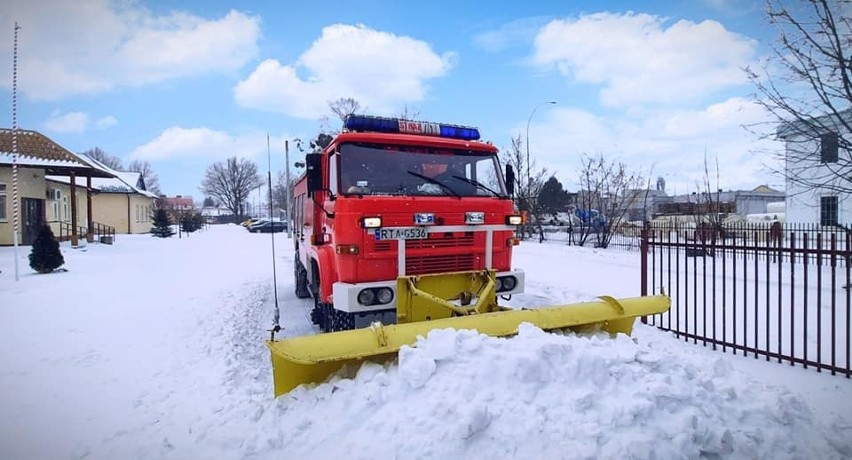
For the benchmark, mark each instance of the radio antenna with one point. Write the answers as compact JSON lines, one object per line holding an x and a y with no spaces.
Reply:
{"x":275,"y":320}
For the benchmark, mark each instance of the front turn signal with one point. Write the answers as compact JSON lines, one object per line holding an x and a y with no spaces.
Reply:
{"x":371,"y":222}
{"x":514,"y":220}
{"x":347,"y":249}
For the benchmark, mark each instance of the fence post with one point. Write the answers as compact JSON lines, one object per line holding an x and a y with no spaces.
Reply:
{"x":643,"y":250}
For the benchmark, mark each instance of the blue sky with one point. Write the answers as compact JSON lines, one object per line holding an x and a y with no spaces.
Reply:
{"x":186,"y":84}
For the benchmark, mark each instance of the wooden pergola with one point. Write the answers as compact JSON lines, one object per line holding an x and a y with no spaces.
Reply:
{"x":35,"y":150}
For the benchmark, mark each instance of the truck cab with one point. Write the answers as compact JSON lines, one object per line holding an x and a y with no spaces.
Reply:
{"x":390,"y":198}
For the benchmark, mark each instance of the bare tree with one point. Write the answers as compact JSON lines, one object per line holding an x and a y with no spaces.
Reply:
{"x":231,"y":182}
{"x":279,"y":191}
{"x":806,"y":84}
{"x":149,"y":177}
{"x":710,"y":212}
{"x":528,"y":183}
{"x":344,"y":107}
{"x":104,"y":158}
{"x":408,"y":113}
{"x":606,"y":191}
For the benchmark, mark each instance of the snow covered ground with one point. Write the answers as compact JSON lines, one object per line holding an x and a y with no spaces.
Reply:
{"x":154,"y":349}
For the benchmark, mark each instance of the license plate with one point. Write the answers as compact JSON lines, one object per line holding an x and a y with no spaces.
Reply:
{"x":401,"y":233}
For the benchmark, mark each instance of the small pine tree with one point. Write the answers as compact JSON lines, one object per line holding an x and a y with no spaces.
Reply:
{"x":192,"y":222}
{"x":162,"y":224}
{"x":45,"y":255}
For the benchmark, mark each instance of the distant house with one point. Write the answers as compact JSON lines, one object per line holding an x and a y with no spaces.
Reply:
{"x":121,"y":202}
{"x":38,"y":157}
{"x":818,"y":169}
{"x":741,"y":202}
{"x":640,"y":203}
{"x":217,"y":214}
{"x":177,"y":206}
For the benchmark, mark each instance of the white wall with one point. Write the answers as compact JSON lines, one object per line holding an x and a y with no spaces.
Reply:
{"x":803,"y":203}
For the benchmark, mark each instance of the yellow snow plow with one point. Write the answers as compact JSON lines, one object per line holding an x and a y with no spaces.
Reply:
{"x":463,"y":300}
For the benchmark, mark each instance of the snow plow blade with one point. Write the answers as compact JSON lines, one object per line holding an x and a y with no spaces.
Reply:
{"x":312,"y":359}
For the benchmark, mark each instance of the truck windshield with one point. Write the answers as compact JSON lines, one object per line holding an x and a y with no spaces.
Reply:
{"x":418,"y":171}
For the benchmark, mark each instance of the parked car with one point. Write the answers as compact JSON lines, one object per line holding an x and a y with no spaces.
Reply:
{"x":254,"y":222}
{"x":266,"y":226}
{"x":249,"y":222}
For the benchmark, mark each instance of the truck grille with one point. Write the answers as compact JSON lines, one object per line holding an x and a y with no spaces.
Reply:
{"x":445,"y":240}
{"x":439,"y":264}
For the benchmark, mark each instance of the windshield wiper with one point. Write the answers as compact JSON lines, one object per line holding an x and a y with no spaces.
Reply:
{"x":436,"y":182}
{"x":478,"y":184}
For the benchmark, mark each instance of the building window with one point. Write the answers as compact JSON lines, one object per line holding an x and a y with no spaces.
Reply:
{"x":828,"y":145}
{"x":3,"y":215}
{"x":828,"y":210}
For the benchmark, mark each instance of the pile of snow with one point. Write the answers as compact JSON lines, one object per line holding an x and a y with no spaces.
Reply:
{"x":154,"y":348}
{"x":459,"y":394}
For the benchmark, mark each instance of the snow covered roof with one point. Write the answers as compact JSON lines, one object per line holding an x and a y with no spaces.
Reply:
{"x":208,"y":211}
{"x":37,"y":150}
{"x":123,"y":182}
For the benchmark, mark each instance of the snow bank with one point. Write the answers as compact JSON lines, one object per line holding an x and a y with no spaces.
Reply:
{"x":459,"y":394}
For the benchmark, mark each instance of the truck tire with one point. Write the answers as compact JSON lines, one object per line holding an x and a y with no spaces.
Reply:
{"x":301,"y":279}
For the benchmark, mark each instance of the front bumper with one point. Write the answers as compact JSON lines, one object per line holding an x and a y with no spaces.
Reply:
{"x":345,"y":295}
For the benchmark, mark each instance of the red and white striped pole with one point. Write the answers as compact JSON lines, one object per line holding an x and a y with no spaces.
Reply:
{"x":15,"y":204}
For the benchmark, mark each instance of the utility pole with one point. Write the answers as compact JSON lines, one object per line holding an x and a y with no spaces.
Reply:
{"x":528,"y":192}
{"x":15,"y":201}
{"x":287,"y":187}
{"x":529,"y":171}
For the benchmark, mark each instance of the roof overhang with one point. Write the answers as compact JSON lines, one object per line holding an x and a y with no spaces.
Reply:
{"x":35,"y":150}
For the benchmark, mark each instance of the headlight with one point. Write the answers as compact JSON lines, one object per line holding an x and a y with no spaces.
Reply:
{"x":474,"y":218}
{"x":366,"y":297}
{"x":508,"y":283}
{"x":385,"y":295}
{"x":371,"y":222}
{"x":514,"y":220}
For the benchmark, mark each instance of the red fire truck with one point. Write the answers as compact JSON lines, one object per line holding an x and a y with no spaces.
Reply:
{"x":391,"y":198}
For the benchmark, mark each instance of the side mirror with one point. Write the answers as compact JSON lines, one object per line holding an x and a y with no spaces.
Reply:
{"x":510,"y":180}
{"x":313,"y":167}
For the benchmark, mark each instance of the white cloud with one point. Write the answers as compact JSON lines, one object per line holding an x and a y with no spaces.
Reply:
{"x":106,"y":122}
{"x":71,"y":122}
{"x":639,"y":60}
{"x":85,"y":47}
{"x":382,"y":71}
{"x":177,"y":143}
{"x":668,"y":143}
{"x":76,"y":122}
{"x":514,"y":33}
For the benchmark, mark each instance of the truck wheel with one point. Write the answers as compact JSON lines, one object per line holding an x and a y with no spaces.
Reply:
{"x":301,"y":279}
{"x":316,"y":315}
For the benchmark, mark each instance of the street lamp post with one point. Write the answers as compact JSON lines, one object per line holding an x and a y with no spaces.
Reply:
{"x":529,"y":171}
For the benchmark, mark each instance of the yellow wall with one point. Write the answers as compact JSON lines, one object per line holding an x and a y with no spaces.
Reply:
{"x":30,"y":185}
{"x":112,"y":209}
{"x":58,"y":211}
{"x":107,"y":208}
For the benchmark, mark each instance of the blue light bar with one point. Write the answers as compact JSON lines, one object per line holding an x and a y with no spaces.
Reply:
{"x":395,"y":125}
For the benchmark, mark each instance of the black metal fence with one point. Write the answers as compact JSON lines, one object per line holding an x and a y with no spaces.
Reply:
{"x":103,"y":233}
{"x":100,"y":232}
{"x":66,"y":229}
{"x":777,"y":292}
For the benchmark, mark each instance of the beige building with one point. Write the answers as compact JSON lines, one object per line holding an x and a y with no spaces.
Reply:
{"x":69,"y":212}
{"x":121,"y":202}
